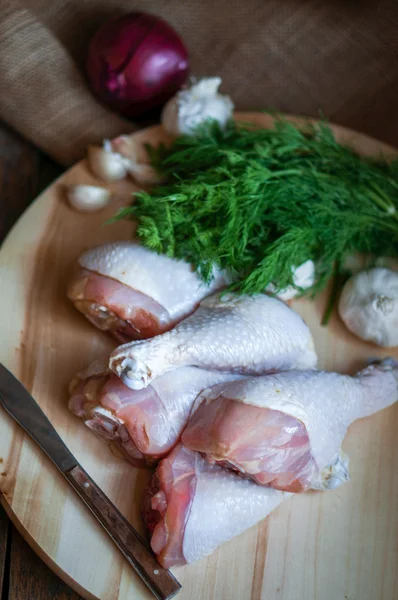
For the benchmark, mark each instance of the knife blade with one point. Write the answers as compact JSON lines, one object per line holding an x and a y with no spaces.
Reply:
{"x":19,"y":403}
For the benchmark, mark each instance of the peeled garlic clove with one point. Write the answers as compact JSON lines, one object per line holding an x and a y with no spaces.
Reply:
{"x":88,"y":198}
{"x":105,"y":163}
{"x":368,"y":306}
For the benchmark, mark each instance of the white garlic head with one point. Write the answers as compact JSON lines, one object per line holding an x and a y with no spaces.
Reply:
{"x":368,"y":306}
{"x":303,"y":277}
{"x":191,"y":107}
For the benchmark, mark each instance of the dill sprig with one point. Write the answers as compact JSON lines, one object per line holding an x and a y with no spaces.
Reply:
{"x":259,"y":202}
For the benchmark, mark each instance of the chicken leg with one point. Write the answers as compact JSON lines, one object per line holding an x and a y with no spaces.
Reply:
{"x":242,"y":334}
{"x":284,"y":429}
{"x":135,"y":293}
{"x":191,"y":507}
{"x":143,"y":424}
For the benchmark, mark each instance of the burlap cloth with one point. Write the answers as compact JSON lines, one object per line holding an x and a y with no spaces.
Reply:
{"x":301,"y":56}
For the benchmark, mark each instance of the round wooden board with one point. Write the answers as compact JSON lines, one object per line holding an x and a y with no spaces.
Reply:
{"x":336,"y":546}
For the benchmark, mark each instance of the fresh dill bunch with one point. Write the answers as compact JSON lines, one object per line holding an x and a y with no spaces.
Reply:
{"x":260,"y":202}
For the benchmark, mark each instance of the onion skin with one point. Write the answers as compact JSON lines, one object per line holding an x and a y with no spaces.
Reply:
{"x":136,"y":62}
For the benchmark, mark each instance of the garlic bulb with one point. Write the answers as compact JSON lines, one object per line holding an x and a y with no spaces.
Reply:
{"x":190,"y":107}
{"x":303,"y":277}
{"x":368,"y":306}
{"x":107,"y":164}
{"x":87,"y":198}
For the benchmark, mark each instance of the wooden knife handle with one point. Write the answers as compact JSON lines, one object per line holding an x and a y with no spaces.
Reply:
{"x":160,"y":581}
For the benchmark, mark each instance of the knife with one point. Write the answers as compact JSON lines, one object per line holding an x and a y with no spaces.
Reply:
{"x":18,"y":402}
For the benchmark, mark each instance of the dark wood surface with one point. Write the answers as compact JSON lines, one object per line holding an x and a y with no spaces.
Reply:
{"x":24,"y":172}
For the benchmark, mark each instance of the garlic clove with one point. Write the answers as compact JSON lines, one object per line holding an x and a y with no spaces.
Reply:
{"x":105,"y":163}
{"x":303,"y":277}
{"x":88,"y":198}
{"x":169,"y":117}
{"x":130,"y":149}
{"x":145,"y":174}
{"x":136,"y":161}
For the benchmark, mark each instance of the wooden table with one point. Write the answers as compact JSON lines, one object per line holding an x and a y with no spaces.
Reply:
{"x":24,"y":172}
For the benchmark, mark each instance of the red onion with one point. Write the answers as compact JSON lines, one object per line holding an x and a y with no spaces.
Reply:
{"x":136,"y":62}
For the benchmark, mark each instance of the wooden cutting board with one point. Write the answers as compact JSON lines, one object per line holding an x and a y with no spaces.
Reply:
{"x":336,"y":546}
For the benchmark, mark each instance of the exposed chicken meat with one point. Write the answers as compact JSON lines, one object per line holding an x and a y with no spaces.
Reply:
{"x":250,"y":335}
{"x":113,"y":306}
{"x":191,"y":507}
{"x":134,"y":293}
{"x":147,"y":423}
{"x":271,"y":446}
{"x":284,"y":429}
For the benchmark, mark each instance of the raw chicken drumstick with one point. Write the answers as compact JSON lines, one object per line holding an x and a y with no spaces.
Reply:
{"x":283,"y":429}
{"x":191,"y":507}
{"x":135,"y":293}
{"x":242,"y":334}
{"x":144,"y":424}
